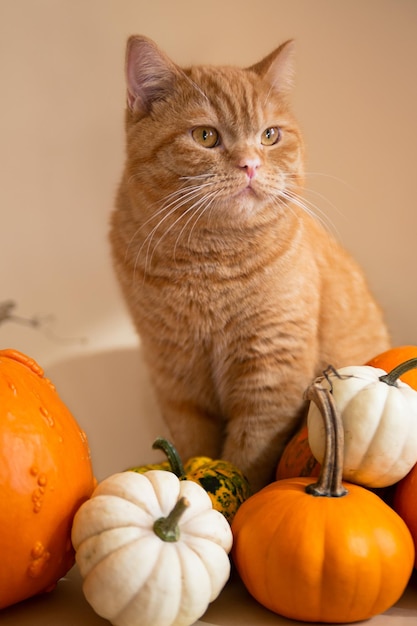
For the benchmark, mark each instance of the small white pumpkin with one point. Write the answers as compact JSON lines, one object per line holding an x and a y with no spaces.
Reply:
{"x":379,"y":414}
{"x":151,"y":549}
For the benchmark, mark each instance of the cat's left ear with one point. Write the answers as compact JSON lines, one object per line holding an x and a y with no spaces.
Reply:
{"x":278,"y":68}
{"x":150,"y":74}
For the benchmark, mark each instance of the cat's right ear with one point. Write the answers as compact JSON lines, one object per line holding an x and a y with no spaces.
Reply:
{"x":150,"y":74}
{"x":278,"y":68}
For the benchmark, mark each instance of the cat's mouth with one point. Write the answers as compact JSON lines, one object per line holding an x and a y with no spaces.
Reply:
{"x":248,"y":191}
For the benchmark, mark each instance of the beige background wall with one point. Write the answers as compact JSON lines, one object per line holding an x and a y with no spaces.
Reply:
{"x":61,"y":153}
{"x":61,"y":143}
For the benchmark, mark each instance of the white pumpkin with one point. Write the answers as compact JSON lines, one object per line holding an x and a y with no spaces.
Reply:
{"x":136,"y":575}
{"x":380,"y":425}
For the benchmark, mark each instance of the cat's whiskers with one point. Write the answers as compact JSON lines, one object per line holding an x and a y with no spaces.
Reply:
{"x":325,"y":198}
{"x":311,"y":209}
{"x":315,"y":211}
{"x":167,"y":210}
{"x":327,"y":221}
{"x":197,"y":191}
{"x":172,"y":203}
{"x":208,"y":200}
{"x":167,"y":203}
{"x":280,"y":200}
{"x":289,"y":192}
{"x":169,"y":200}
{"x":197,"y":176}
{"x":194,"y":209}
{"x":329,"y":176}
{"x":152,"y":205}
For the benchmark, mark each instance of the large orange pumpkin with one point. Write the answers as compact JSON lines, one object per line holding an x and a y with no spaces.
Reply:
{"x":45,"y":475}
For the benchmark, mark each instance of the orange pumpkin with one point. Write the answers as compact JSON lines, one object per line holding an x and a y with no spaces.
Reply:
{"x":325,"y":551}
{"x":297,"y":458}
{"x":395,"y":356}
{"x":404,"y":502}
{"x":45,"y":475}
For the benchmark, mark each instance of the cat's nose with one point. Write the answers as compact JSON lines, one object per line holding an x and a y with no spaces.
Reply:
{"x":250,"y":165}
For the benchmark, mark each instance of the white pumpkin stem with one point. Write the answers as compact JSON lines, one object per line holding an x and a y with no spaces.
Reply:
{"x":167,"y":528}
{"x":392,"y":377}
{"x":329,"y":483}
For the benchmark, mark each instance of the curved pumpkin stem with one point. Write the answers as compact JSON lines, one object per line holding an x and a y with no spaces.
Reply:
{"x":392,"y":377}
{"x":172,"y":455}
{"x":330,"y":479}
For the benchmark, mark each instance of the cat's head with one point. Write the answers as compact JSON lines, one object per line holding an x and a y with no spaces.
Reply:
{"x":220,"y":140}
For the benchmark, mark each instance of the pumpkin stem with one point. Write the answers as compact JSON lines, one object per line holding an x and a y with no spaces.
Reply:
{"x":173,"y":457}
{"x":392,"y":377}
{"x":167,"y":528}
{"x":330,"y":479}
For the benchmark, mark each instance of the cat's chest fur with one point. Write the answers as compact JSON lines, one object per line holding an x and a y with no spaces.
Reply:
{"x":210,"y":286}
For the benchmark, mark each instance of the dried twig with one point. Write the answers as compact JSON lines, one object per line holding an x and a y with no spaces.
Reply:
{"x":6,"y":315}
{"x":43,"y":323}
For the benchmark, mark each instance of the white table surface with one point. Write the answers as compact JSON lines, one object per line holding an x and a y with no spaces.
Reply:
{"x":66,"y":606}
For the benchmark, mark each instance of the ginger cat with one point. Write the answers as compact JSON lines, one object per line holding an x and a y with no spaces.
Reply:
{"x":239,"y":294}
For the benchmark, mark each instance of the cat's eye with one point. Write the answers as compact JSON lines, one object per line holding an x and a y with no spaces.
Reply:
{"x":271,"y":136}
{"x":206,"y":136}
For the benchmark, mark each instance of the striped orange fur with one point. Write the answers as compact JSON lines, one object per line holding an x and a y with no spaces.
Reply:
{"x":239,"y":294}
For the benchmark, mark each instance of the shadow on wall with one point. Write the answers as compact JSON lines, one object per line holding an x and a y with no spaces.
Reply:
{"x":111,"y":398}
